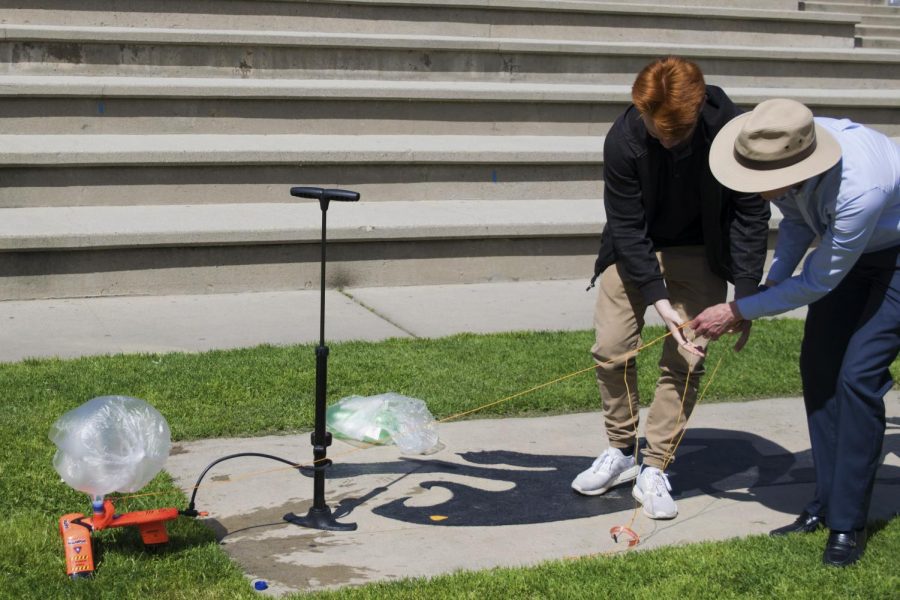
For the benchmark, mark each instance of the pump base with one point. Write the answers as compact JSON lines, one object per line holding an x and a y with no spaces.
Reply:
{"x":319,"y":518}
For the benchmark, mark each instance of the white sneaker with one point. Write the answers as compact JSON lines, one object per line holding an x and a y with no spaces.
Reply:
{"x":652,"y":490}
{"x":611,"y":468}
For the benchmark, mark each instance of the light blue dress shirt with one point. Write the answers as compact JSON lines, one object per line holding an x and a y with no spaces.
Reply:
{"x":853,"y":208}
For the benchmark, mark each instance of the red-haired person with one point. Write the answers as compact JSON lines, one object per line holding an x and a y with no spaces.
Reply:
{"x":673,"y":239}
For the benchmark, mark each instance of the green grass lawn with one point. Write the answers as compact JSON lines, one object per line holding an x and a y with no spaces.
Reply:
{"x":268,"y":390}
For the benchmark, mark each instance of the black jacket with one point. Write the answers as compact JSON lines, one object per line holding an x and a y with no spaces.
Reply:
{"x":735,"y":226}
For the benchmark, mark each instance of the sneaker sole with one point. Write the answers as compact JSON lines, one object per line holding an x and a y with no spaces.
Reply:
{"x":625,"y":476}
{"x":639,"y":496}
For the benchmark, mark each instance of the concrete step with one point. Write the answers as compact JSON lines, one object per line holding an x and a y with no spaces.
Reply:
{"x":869,"y":15}
{"x":59,"y":104}
{"x":314,"y":55}
{"x":879,"y":26}
{"x":95,"y":227}
{"x":67,"y":170}
{"x":379,"y":182}
{"x":98,"y":251}
{"x":107,"y":170}
{"x":186,"y":150}
{"x":871,"y":2}
{"x":174,"y":13}
{"x":882,"y":30}
{"x":892,"y":20}
{"x":182,"y":249}
{"x":852,"y":8}
{"x":880,"y":42}
{"x":525,"y":19}
{"x":133,"y":105}
{"x":744,"y":4}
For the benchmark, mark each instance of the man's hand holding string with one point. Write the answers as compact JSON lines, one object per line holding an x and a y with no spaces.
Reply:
{"x":720,"y":319}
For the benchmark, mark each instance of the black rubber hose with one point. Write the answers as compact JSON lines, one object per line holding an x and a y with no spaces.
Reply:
{"x":191,"y":510}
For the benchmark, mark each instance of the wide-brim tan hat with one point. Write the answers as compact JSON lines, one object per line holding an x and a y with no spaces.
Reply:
{"x":774,"y":146}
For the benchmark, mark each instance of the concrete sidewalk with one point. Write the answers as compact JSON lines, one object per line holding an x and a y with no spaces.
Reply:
{"x":190,"y":323}
{"x":498,"y":495}
{"x":84,"y":326}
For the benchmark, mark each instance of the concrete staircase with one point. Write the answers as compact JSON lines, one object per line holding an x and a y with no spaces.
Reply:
{"x":879,"y":25}
{"x":148,"y":147}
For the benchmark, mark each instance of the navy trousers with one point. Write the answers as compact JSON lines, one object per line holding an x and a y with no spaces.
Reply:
{"x":851,"y":338}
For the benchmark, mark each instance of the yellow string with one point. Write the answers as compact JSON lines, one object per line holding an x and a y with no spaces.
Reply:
{"x":635,"y":451}
{"x":670,"y":452}
{"x":709,"y":381}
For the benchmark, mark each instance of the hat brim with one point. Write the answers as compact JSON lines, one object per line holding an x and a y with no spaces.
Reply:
{"x":736,"y":176}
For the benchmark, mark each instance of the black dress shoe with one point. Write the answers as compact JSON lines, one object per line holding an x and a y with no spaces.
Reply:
{"x":805,"y":523}
{"x":844,"y":547}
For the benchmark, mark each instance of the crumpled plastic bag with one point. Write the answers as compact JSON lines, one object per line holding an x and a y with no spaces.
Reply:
{"x":383,"y":419}
{"x":110,"y":443}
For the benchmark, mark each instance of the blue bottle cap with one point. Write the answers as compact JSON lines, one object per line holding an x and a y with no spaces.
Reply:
{"x":260,"y":585}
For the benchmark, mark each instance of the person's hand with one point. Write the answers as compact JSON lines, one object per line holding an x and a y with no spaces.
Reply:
{"x":717,"y":320}
{"x":674,"y":323}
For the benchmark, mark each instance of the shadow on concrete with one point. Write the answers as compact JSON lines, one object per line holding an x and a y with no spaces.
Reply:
{"x":536,"y":488}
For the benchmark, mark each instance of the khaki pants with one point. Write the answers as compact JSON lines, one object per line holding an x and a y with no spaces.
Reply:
{"x":618,"y":321}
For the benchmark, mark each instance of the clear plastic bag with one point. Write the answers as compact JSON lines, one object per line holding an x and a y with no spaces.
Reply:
{"x":383,"y":419}
{"x":110,"y":443}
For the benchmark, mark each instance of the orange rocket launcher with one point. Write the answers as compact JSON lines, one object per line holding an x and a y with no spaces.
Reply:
{"x":76,"y":530}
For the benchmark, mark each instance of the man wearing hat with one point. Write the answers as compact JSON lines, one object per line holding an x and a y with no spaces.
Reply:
{"x":839,"y":182}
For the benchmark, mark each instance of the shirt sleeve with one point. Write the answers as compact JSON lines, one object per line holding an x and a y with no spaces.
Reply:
{"x":749,"y":233}
{"x":794,"y":238}
{"x":622,"y":198}
{"x":844,"y":242}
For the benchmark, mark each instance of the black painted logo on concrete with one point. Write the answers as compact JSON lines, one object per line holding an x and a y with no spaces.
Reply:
{"x":525,"y":488}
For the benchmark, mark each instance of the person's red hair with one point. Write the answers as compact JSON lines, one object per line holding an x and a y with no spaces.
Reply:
{"x":669,"y":91}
